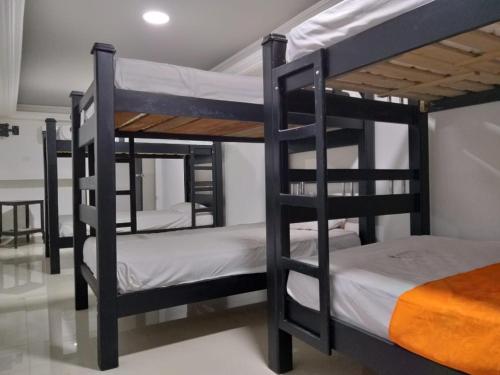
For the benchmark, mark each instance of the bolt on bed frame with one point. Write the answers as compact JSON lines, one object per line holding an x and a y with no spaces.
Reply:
{"x":131,"y":154}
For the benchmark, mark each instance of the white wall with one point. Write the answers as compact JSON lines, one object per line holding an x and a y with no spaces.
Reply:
{"x":465,"y":172}
{"x":244,"y":182}
{"x":169,"y":182}
{"x":21,"y":166}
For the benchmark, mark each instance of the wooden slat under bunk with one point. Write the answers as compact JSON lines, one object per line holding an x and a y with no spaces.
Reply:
{"x":151,"y":123}
{"x":466,"y":63}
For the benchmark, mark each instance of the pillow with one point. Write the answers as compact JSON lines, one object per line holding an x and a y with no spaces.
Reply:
{"x":185,"y":207}
{"x":313,"y":225}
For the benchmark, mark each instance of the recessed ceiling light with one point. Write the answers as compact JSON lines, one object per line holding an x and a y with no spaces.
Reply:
{"x":155,"y":17}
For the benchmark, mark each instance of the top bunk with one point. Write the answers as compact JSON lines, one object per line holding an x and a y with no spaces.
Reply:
{"x":443,"y":53}
{"x":156,"y":100}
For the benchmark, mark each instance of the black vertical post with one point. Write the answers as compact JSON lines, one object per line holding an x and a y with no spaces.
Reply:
{"x":52,"y":194}
{"x":27,"y":220}
{"x":218,"y":185}
{"x":322,"y":201}
{"x":104,"y":144}
{"x":187,"y":178}
{"x":15,"y":225}
{"x":279,"y":342}
{"x":139,"y":181}
{"x":79,"y":228}
{"x":366,"y":160}
{"x":193,"y":186}
{"x":418,"y":138}
{"x":46,"y":197}
{"x":132,"y":186}
{"x":42,"y":220}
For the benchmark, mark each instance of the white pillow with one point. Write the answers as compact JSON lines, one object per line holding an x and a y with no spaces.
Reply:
{"x":185,"y":207}
{"x":313,"y":225}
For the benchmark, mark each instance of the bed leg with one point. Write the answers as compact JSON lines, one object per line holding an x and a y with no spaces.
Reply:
{"x":280,"y":350}
{"x":107,"y":337}
{"x":81,"y":291}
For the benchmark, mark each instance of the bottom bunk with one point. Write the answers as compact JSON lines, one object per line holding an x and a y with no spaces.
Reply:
{"x":161,"y":270}
{"x":400,"y":305}
{"x":175,"y":217}
{"x":158,"y":260}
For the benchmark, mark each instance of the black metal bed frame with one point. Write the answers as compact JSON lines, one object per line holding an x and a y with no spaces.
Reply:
{"x":94,"y":136}
{"x":286,"y":318}
{"x":195,"y":156}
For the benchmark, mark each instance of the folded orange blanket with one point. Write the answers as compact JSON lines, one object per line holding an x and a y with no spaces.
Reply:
{"x":454,"y":321}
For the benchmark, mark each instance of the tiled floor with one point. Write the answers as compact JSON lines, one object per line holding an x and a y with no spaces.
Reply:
{"x":40,"y":332}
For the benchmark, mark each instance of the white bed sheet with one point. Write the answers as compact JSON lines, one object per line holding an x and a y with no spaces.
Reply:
{"x":146,"y":261}
{"x":140,"y":75}
{"x":146,"y":220}
{"x":367,"y":281}
{"x":343,"y":20}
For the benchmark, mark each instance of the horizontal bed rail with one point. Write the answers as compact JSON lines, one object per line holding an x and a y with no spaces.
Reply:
{"x":87,"y":131}
{"x":351,"y":175}
{"x":88,"y":215}
{"x":88,"y":98}
{"x":350,"y":206}
{"x":87,"y":183}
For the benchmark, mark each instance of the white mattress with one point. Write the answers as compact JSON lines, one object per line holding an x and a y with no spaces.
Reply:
{"x":170,"y":79}
{"x":146,"y":220}
{"x":367,"y":281}
{"x":343,"y":20}
{"x":147,"y":261}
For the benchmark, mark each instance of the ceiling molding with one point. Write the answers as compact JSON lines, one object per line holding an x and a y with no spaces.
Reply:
{"x":40,"y":113}
{"x":11,"y":38}
{"x":248,"y":61}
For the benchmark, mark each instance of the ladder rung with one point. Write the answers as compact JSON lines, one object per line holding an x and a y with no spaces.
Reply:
{"x":123,"y":225}
{"x":203,"y":210}
{"x":303,"y":334}
{"x":298,"y":200}
{"x":301,"y":267}
{"x":294,"y":134}
{"x":123,"y":192}
{"x":203,"y":188}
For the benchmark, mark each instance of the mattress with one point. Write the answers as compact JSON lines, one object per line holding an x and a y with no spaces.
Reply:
{"x":139,"y":75}
{"x":146,"y":220}
{"x":146,"y":261}
{"x":343,"y":20}
{"x":368,"y":280}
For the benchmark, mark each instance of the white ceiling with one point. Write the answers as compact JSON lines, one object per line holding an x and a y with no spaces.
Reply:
{"x":58,"y":36}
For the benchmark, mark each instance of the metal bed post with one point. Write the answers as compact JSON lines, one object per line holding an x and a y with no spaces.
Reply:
{"x":104,"y":148}
{"x":52,"y":195}
{"x":279,"y":341}
{"x":418,"y":139}
{"x":132,"y":185}
{"x":46,"y":197}
{"x":79,"y":228}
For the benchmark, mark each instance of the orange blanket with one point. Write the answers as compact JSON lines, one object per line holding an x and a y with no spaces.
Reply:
{"x":454,"y":321}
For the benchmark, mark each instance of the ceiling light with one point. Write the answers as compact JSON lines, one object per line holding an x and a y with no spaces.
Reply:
{"x":156,"y":17}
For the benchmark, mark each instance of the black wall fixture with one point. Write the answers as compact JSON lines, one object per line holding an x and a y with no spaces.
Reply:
{"x":5,"y":130}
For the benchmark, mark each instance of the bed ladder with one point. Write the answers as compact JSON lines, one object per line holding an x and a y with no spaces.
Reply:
{"x":130,"y":159}
{"x":308,"y":71}
{"x":202,"y":158}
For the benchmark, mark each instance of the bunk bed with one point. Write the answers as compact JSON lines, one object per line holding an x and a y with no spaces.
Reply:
{"x":440,"y":55}
{"x":196,"y":106}
{"x":207,"y":191}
